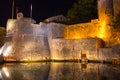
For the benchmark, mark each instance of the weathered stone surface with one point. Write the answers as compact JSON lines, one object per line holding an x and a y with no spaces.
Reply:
{"x":105,"y":54}
{"x":108,"y":54}
{"x":116,"y":51}
{"x":29,"y":41}
{"x":11,"y":27}
{"x":55,"y":30}
{"x":32,"y":48}
{"x":74,"y":48}
{"x":79,"y":41}
{"x":24,"y":27}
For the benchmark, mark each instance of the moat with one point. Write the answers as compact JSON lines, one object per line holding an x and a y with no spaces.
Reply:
{"x":59,"y":71}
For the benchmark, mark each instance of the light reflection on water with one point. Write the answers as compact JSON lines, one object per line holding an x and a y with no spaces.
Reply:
{"x":59,"y":71}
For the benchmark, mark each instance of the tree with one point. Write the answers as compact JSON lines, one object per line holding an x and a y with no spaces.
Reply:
{"x":82,"y":11}
{"x":2,"y":36}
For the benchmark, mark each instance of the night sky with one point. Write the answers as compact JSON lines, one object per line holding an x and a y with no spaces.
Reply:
{"x":42,"y":9}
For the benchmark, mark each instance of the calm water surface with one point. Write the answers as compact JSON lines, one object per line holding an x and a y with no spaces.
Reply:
{"x":59,"y":71}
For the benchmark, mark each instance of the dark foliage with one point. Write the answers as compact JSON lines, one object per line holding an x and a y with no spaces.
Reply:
{"x":82,"y":11}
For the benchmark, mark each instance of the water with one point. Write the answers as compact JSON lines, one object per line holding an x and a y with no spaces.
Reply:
{"x":59,"y":71}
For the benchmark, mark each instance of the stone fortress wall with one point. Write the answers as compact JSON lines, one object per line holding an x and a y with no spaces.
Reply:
{"x":46,"y":41}
{"x":29,"y":41}
{"x":107,"y":11}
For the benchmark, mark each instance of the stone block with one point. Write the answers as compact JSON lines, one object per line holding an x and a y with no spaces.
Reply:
{"x":74,"y":48}
{"x":105,"y":54}
{"x":116,"y":51}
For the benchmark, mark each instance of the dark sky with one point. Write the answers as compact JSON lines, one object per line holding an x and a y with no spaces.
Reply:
{"x":42,"y":9}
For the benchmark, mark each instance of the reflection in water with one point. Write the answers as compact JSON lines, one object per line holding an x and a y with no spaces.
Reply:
{"x":6,"y":71}
{"x":59,"y":71}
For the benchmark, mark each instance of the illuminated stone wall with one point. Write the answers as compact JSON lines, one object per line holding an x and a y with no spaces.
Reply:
{"x":75,"y":48}
{"x":116,"y":51}
{"x":11,"y":27}
{"x":105,"y":54}
{"x":108,"y":54}
{"x":31,"y":48}
{"x":32,"y":45}
{"x":100,"y":28}
{"x":7,"y":48}
{"x":55,"y":30}
{"x":59,"y":41}
{"x":92,"y":29}
{"x":29,"y":42}
{"x":40,"y":29}
{"x":107,"y":9}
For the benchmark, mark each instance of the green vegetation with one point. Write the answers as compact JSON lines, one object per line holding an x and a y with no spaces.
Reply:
{"x":2,"y":36}
{"x":82,"y":11}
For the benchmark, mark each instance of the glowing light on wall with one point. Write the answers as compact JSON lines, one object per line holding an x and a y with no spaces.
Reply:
{"x":29,"y":45}
{"x":80,"y":31}
{"x":27,"y":58}
{"x":102,"y":30}
{"x":10,"y":24}
{"x":76,"y":35}
{"x":7,"y":51}
{"x":88,"y":30}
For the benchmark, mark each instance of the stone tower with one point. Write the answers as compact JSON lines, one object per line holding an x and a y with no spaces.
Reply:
{"x":108,"y":9}
{"x":105,"y":10}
